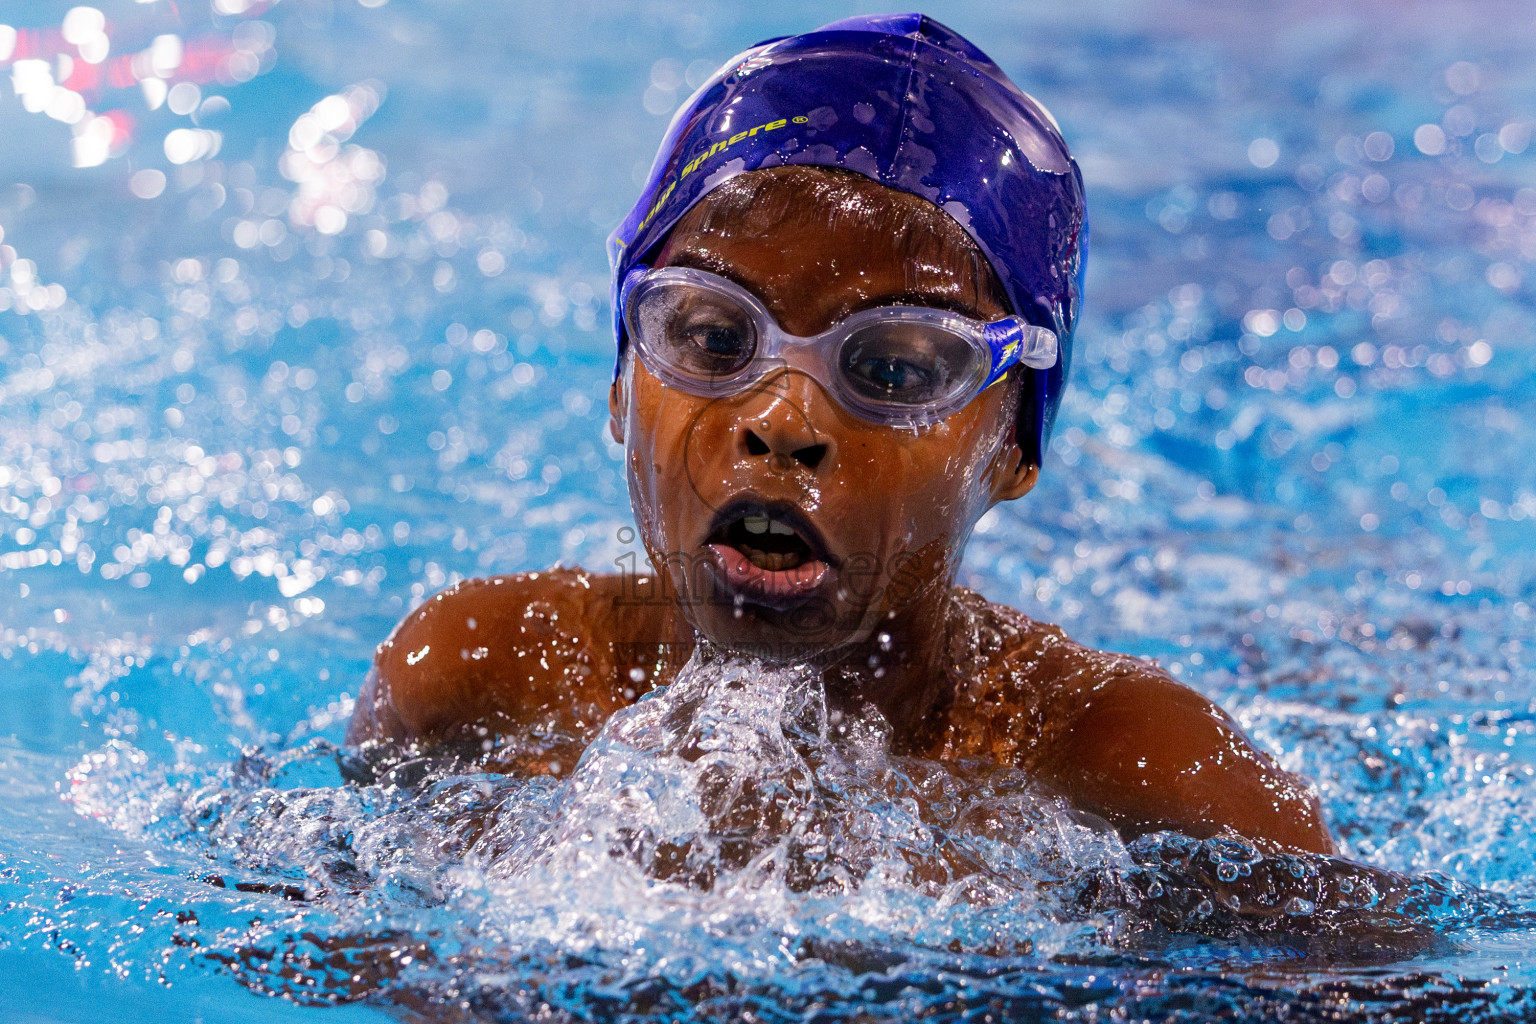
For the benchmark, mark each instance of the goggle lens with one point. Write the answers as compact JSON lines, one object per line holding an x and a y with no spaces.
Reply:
{"x":696,"y":332}
{"x":906,"y":364}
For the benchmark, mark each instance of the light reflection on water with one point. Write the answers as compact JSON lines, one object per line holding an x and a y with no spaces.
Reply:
{"x":309,"y":321}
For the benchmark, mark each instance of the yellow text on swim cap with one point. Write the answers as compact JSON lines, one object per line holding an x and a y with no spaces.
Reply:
{"x":698,"y":161}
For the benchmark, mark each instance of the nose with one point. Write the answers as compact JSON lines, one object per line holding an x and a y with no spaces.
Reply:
{"x":777,"y":423}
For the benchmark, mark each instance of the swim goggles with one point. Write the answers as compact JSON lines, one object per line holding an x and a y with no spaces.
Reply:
{"x":898,"y":365}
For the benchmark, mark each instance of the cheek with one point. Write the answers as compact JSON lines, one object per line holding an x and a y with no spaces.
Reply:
{"x":981,"y":450}
{"x":921,"y":488}
{"x":656,"y":440}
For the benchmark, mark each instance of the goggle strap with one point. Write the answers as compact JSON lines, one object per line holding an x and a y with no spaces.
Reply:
{"x":1011,"y":341}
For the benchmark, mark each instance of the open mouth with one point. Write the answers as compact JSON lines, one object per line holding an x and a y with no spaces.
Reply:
{"x":768,"y":543}
{"x":768,"y":551}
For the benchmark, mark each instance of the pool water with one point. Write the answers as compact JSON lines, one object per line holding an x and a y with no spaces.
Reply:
{"x":302,"y":318}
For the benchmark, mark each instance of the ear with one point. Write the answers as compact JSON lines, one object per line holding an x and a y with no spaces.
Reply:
{"x":616,"y":405}
{"x":1013,"y":474}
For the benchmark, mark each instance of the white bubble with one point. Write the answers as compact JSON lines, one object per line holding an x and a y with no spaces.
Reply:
{"x":148,"y":183}
{"x":154,"y":92}
{"x":243,"y":66}
{"x":1504,"y":277}
{"x":365,"y":164}
{"x":247,"y":235}
{"x":1343,"y":273}
{"x":184,"y":145}
{"x":1378,"y":146}
{"x":181,"y":146}
{"x":92,"y":144}
{"x":253,"y":37}
{"x":33,"y":82}
{"x":165,"y":54}
{"x":95,"y":49}
{"x":7,"y":42}
{"x":184,"y":98}
{"x":1429,"y":139}
{"x":1263,"y":322}
{"x":330,"y":221}
{"x":667,"y":74}
{"x":434,"y":195}
{"x":1515,"y":136}
{"x":65,"y":105}
{"x":332,"y":113}
{"x":491,"y":262}
{"x":1462,"y":77}
{"x":1263,"y":152}
{"x":1459,"y":121}
{"x":81,"y":23}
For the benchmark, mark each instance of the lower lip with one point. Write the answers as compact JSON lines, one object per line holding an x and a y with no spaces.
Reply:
{"x":773,"y":587}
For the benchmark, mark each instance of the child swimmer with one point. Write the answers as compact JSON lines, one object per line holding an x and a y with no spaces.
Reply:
{"x":844,"y":310}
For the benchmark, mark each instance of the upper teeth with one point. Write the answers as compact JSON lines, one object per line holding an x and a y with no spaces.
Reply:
{"x":763,"y":524}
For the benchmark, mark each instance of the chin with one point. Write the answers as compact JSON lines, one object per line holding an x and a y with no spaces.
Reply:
{"x":814,"y":630}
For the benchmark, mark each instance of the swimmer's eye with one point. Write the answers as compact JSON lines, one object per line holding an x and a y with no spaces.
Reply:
{"x":891,"y":377}
{"x":903,"y":364}
{"x":718,"y":339}
{"x":697,"y":334}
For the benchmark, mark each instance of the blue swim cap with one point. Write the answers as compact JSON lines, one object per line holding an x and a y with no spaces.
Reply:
{"x":912,"y":105}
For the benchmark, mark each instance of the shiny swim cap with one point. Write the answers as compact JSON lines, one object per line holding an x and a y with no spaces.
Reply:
{"x":911,"y":104}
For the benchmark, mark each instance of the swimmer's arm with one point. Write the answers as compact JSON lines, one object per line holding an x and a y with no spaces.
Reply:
{"x":494,"y":656}
{"x":1149,"y":754}
{"x":373,"y":716}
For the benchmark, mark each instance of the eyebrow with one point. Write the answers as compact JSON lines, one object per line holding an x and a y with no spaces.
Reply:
{"x":925,"y":299}
{"x":714,"y":264}
{"x":710,"y":262}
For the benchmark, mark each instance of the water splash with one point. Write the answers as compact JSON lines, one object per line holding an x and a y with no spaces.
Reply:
{"x":1274,"y":473}
{"x":734,"y":832}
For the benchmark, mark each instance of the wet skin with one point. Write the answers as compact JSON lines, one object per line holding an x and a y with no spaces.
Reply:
{"x":864,"y":587}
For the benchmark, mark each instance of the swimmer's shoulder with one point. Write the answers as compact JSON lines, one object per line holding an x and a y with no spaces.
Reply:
{"x":1023,"y":686}
{"x":1015,"y":682}
{"x":554,"y":650}
{"x":1114,"y":734}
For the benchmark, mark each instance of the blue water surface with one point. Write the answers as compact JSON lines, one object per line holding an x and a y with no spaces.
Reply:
{"x":303,"y":317}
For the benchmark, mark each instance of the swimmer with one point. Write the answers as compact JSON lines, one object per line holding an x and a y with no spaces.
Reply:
{"x":844,"y":308}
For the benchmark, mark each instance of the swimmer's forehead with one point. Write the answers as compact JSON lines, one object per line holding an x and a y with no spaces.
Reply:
{"x":771,"y":225}
{"x":951,"y":289}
